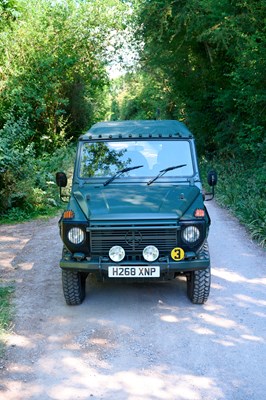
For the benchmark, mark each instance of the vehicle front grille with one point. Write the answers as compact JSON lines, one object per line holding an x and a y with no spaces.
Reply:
{"x":133,"y":241}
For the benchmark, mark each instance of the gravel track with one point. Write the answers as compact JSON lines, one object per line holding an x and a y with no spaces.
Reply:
{"x":134,"y":341}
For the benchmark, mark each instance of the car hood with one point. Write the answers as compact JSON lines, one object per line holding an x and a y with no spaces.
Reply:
{"x":135,"y":202}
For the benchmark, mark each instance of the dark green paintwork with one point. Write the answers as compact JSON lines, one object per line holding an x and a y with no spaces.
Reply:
{"x":110,"y":201}
{"x":164,"y":128}
{"x":133,"y":203}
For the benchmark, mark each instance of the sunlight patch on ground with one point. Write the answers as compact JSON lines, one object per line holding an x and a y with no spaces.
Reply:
{"x":169,"y":318}
{"x":135,"y":385}
{"x":20,"y":341}
{"x":202,"y":331}
{"x":260,"y":314}
{"x":225,"y":343}
{"x":26,"y":266}
{"x":7,"y":246}
{"x":249,"y":299}
{"x":20,"y":390}
{"x":235,"y":277}
{"x":218,"y":321}
{"x":252,"y":338}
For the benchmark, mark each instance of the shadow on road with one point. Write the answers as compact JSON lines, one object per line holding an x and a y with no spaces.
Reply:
{"x":135,"y":341}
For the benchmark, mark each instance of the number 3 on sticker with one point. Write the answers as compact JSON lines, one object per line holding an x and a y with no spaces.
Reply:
{"x":177,"y":254}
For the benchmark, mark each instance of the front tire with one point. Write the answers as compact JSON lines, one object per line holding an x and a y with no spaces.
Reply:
{"x":198,"y":286}
{"x":73,"y":287}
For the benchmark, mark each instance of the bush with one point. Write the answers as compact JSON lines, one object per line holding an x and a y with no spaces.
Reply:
{"x":241,"y":189}
{"x":16,"y":161}
{"x":27,"y":183}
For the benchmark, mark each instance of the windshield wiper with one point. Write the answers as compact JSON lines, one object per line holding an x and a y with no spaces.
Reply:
{"x":120,"y":172}
{"x":163,"y":171}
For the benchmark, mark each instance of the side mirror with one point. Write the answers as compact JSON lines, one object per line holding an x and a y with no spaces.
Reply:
{"x":212,"y":181}
{"x":61,"y":181}
{"x":212,"y":178}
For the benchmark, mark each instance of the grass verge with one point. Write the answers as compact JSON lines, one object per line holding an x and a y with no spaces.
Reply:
{"x":16,"y":215}
{"x":6,"y":314}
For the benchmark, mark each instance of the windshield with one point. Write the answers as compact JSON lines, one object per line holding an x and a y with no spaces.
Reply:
{"x":104,"y":159}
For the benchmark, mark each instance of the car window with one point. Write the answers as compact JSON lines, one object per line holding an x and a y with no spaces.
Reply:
{"x":103,"y":159}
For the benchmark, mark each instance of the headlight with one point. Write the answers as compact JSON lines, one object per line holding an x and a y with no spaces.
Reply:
{"x":76,"y":235}
{"x":117,"y":253}
{"x":190,"y":234}
{"x":150,"y":253}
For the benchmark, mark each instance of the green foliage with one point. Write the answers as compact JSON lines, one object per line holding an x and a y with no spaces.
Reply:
{"x":97,"y":159}
{"x":201,"y":61}
{"x":242,"y":189}
{"x":213,"y":55}
{"x":5,"y":313}
{"x":140,"y":95}
{"x":16,"y":155}
{"x":13,"y":148}
{"x":53,"y":86}
{"x":8,"y":13}
{"x":35,"y":193}
{"x":53,"y":66}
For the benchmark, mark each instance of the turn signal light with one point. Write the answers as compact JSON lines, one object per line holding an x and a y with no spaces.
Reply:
{"x":199,"y":212}
{"x":68,"y":214}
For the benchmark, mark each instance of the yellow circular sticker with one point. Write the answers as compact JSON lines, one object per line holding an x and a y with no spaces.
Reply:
{"x":177,"y":254}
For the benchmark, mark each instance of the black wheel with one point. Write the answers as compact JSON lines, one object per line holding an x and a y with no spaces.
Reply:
{"x":199,"y":282}
{"x":73,"y":287}
{"x":198,"y":286}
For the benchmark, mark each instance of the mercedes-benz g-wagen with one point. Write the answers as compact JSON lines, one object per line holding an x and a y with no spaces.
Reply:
{"x":136,"y":209}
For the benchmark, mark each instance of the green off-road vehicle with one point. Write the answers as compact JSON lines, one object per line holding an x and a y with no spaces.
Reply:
{"x":136,"y":209}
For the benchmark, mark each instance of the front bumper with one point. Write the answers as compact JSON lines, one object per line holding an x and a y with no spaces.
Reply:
{"x":168,"y":268}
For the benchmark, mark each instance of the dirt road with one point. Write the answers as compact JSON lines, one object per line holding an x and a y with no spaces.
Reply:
{"x":135,"y":341}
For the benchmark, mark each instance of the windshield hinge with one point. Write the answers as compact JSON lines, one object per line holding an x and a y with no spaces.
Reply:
{"x":191,"y":181}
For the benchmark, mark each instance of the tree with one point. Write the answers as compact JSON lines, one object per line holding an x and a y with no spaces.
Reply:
{"x":213,"y":55}
{"x":142,"y":95}
{"x":53,"y":58}
{"x":9,"y":12}
{"x":53,"y":66}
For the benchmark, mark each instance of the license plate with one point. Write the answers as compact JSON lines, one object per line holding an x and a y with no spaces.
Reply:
{"x":134,"y":272}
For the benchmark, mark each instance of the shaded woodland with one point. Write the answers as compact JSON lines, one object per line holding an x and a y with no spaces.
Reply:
{"x":199,"y":61}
